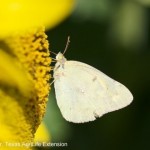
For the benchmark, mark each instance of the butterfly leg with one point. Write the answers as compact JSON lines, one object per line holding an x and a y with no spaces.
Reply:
{"x":54,"y":79}
{"x":52,"y":82}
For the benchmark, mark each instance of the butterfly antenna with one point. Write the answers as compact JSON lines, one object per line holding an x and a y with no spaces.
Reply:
{"x":53,"y":53}
{"x":67,"y":44}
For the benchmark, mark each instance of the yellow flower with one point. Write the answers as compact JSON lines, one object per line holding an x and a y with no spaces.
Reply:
{"x":25,"y":85}
{"x":25,"y":66}
{"x":19,"y":15}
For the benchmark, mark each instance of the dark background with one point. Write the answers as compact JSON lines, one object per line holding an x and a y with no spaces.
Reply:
{"x":113,"y":38}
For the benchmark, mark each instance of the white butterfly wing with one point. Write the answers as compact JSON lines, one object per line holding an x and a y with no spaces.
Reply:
{"x":84,"y":93}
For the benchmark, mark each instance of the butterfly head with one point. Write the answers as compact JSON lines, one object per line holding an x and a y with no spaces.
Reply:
{"x":60,"y":58}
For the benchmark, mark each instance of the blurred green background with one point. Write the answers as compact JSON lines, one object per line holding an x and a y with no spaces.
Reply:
{"x":113,"y":36}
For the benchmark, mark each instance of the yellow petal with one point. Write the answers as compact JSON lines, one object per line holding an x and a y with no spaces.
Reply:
{"x":14,"y":125}
{"x":19,"y":15}
{"x":41,"y":134}
{"x":13,"y":75}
